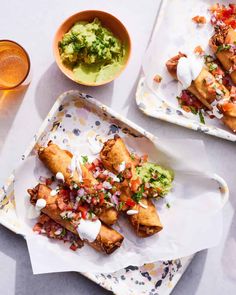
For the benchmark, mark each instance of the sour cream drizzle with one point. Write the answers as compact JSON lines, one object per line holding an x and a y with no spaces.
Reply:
{"x":89,"y":230}
{"x":75,"y":166}
{"x":60,"y":176}
{"x":142,"y":205}
{"x":132,"y":212}
{"x":40,"y":204}
{"x":121,"y":167}
{"x":188,"y":69}
{"x":53,"y":193}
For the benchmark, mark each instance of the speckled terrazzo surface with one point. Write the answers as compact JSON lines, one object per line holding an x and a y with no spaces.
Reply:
{"x":211,"y":272}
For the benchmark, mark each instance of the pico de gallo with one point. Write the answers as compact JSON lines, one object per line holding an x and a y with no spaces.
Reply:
{"x":223,"y":15}
{"x":46,"y":226}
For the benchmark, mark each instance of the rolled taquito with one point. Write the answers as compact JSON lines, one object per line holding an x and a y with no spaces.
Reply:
{"x":58,"y":160}
{"x":146,"y":222}
{"x":114,"y":153}
{"x":107,"y":240}
{"x":204,"y":87}
{"x":223,"y":44}
{"x":143,"y":215}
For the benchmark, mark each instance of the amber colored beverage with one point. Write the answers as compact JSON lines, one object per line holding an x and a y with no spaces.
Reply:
{"x":14,"y":64}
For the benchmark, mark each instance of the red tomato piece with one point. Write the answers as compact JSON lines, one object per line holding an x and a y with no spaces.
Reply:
{"x":96,"y":162}
{"x":130,"y":203}
{"x":83,"y":211}
{"x":99,"y":186}
{"x":134,"y":184}
{"x":102,"y":176}
{"x":73,"y":247}
{"x":127,"y":174}
{"x":102,"y":198}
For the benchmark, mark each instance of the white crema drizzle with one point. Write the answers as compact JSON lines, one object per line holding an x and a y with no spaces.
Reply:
{"x":76,"y":166}
{"x":88,"y":230}
{"x":188,"y":69}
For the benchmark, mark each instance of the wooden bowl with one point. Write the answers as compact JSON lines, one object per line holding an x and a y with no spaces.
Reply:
{"x":108,"y":21}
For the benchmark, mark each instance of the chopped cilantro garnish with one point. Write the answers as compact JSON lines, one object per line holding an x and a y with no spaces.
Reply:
{"x":84,"y":159}
{"x":138,"y":196}
{"x":168,"y":205}
{"x":63,"y":233}
{"x":223,"y":47}
{"x":202,"y":120}
{"x":212,"y":67}
{"x":90,"y":212}
{"x":132,"y":156}
{"x":106,"y":197}
{"x":74,"y":185}
{"x":208,"y":58}
{"x":193,"y":110}
{"x":120,"y":176}
{"x":120,"y":206}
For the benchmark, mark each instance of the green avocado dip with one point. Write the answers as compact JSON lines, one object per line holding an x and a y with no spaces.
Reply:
{"x":92,"y":52}
{"x":157,"y":179}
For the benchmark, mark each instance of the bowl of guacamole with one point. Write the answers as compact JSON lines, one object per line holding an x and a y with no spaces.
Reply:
{"x":158,"y":179}
{"x":92,"y":47}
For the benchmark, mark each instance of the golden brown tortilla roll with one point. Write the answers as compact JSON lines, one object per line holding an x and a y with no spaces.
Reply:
{"x":199,"y":87}
{"x":228,"y":110}
{"x":146,"y":222}
{"x":221,"y":44}
{"x":108,"y":216}
{"x":230,"y":122}
{"x":108,"y":239}
{"x":113,"y":153}
{"x":59,"y":160}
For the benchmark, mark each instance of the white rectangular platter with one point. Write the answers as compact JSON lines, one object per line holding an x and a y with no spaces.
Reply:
{"x":153,"y":278}
{"x":175,"y":31}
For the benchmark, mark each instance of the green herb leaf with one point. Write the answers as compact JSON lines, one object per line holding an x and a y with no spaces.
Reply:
{"x":106,"y":197}
{"x":84,"y":159}
{"x":138,"y":196}
{"x":212,"y":67}
{"x":193,"y":110}
{"x":223,"y":47}
{"x":132,"y":156}
{"x":63,"y":233}
{"x":120,"y":206}
{"x":208,"y":58}
{"x":201,"y":117}
{"x":168,"y":205}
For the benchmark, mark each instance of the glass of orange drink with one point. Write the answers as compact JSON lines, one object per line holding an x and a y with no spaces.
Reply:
{"x":14,"y":64}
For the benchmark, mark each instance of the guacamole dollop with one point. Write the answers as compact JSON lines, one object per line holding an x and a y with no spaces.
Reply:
{"x":158,"y":178}
{"x":92,"y":51}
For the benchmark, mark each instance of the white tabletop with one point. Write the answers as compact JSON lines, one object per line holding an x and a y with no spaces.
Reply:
{"x":33,"y":24}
